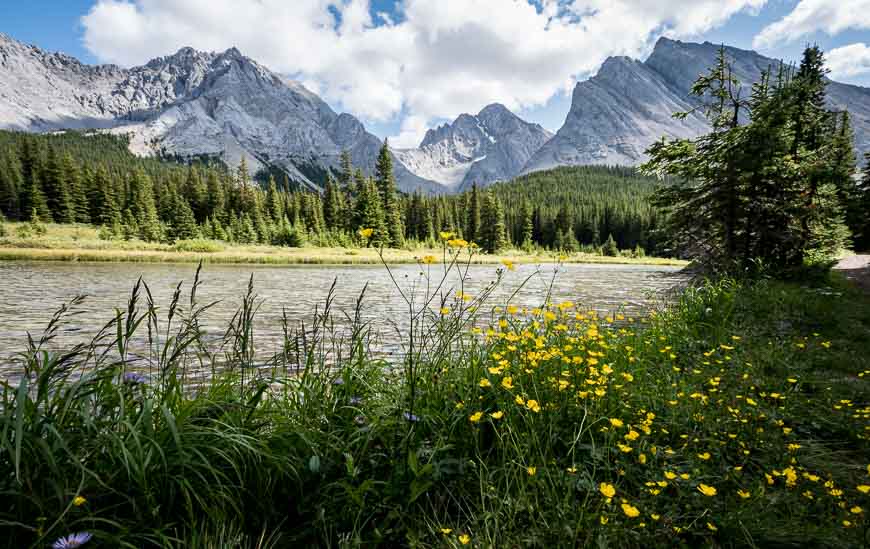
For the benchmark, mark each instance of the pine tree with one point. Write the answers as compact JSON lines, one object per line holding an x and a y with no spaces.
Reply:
{"x":333,"y":207}
{"x":32,"y":198}
{"x":142,"y":206}
{"x":274,"y":201}
{"x":862,"y":238}
{"x":472,"y":224}
{"x":215,"y":196}
{"x":10,"y":185}
{"x":54,"y":186}
{"x":78,"y":197}
{"x":610,"y":248}
{"x":369,"y":213}
{"x":183,"y":222}
{"x":346,"y":173}
{"x":493,"y":235}
{"x":386,"y":184}
{"x":528,"y":226}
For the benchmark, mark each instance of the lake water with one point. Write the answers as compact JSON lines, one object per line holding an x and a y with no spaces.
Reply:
{"x":30,"y":292}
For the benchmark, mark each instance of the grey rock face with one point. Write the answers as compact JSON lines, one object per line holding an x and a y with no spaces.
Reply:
{"x":490,"y":146}
{"x":622,"y":110}
{"x":189,"y":103}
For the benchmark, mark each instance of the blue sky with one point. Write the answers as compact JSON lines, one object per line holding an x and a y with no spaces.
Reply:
{"x":406,"y":65}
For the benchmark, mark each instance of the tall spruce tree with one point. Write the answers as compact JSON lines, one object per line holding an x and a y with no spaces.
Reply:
{"x":386,"y":184}
{"x":472,"y":224}
{"x":142,"y":206}
{"x":493,"y":233}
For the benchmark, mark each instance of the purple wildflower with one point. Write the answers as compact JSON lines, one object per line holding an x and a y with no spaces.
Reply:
{"x":132,"y":378}
{"x":338,"y":381}
{"x":411,"y":417}
{"x":356,"y":400}
{"x":72,"y":541}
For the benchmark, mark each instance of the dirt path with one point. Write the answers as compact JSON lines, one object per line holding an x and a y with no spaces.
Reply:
{"x":856,"y":268}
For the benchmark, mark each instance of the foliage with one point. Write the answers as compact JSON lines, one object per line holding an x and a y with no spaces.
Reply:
{"x":771,"y":190}
{"x":93,"y":178}
{"x":736,"y":416}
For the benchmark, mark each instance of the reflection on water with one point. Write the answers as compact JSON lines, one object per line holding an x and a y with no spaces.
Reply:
{"x":30,"y":292}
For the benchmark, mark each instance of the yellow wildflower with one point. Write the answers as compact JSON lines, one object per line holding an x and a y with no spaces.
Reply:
{"x":607,"y":490}
{"x":475,"y":417}
{"x":533,"y":406}
{"x":711,"y":527}
{"x":670,"y":476}
{"x":707,"y":490}
{"x":464,"y":539}
{"x":485,"y":383}
{"x":509,"y":265}
{"x":531,"y":471}
{"x":445,"y":310}
{"x":78,"y":501}
{"x":429,"y":259}
{"x":864,"y":489}
{"x":446,"y":531}
{"x":856,"y":510}
{"x":616,"y":422}
{"x":705,"y":456}
{"x":743,"y":494}
{"x":629,"y":510}
{"x":507,"y":383}
{"x":366,"y":233}
{"x":445,"y":235}
{"x":497,"y":415}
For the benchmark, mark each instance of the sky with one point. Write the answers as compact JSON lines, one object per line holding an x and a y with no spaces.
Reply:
{"x":403,"y":66}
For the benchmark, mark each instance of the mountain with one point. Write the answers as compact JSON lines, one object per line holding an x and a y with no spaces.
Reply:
{"x":493,"y":145}
{"x":190,"y":103}
{"x":619,"y":112}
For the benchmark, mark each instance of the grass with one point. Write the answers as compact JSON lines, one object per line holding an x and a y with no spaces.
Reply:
{"x":82,"y":243}
{"x":735,"y":416}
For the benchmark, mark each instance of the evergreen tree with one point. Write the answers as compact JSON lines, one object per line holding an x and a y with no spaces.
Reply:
{"x":215,"y":196}
{"x":493,"y":234}
{"x":76,"y":188}
{"x":610,"y":248}
{"x":472,"y":225}
{"x":55,"y":187}
{"x":274,"y":201}
{"x":386,"y":184}
{"x":142,"y":206}
{"x":32,"y":198}
{"x":183,"y":222}
{"x":346,"y":174}
{"x":333,"y":207}
{"x":528,"y":227}
{"x":369,"y":213}
{"x":862,"y":238}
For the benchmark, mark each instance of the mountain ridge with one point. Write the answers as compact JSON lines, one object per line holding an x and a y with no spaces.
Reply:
{"x":189,"y":103}
{"x":224,"y":104}
{"x":618,"y":113}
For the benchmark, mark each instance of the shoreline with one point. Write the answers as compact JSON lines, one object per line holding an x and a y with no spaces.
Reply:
{"x":300,"y":256}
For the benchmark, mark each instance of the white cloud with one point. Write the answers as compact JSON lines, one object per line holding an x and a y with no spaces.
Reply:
{"x":809,"y":16}
{"x":436,"y":60}
{"x":851,"y":60}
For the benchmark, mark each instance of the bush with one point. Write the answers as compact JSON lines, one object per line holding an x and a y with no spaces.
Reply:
{"x":199,"y":245}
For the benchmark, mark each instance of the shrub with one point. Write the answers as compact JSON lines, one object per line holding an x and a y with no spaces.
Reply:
{"x":199,"y":245}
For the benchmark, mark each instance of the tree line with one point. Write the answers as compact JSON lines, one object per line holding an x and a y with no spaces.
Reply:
{"x":92,"y":178}
{"x":774,"y":185}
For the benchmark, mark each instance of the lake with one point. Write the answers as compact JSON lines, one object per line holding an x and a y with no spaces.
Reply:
{"x":30,"y":292}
